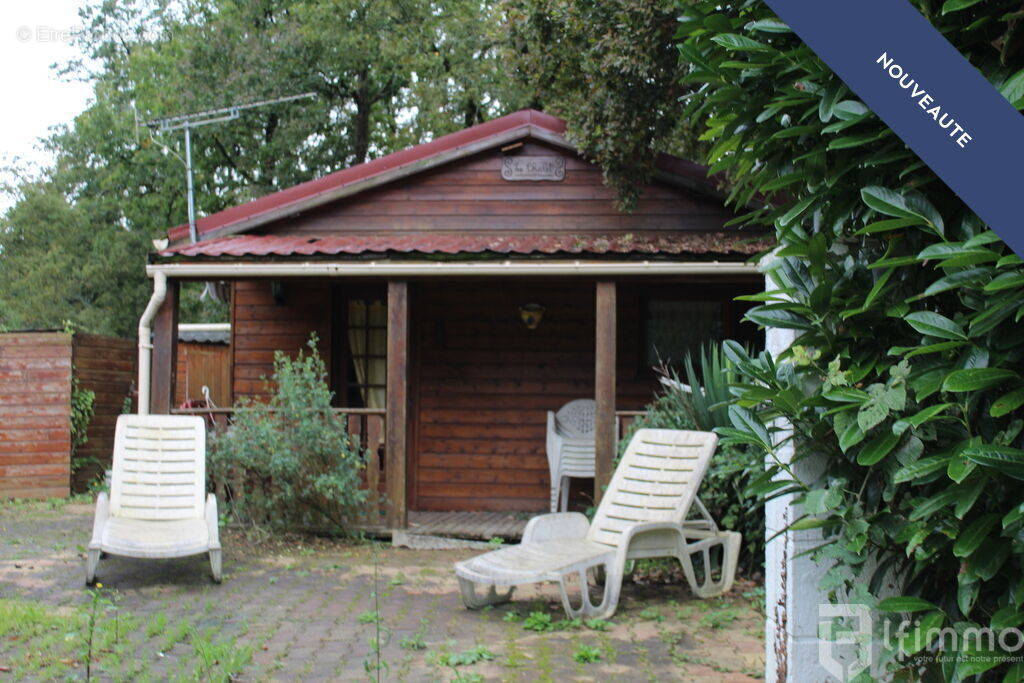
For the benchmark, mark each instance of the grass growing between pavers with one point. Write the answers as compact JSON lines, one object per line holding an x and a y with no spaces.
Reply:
{"x":296,"y":607}
{"x":97,"y":639}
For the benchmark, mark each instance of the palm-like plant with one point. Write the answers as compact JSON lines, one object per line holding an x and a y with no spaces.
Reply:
{"x":707,"y":386}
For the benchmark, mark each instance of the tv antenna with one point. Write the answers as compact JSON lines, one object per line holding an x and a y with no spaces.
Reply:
{"x":187,"y":122}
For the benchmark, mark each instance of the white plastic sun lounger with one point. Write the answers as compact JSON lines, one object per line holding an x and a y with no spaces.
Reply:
{"x":158,"y":506}
{"x":642,"y":514}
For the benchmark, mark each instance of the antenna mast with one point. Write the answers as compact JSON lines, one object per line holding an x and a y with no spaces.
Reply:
{"x":187,"y":122}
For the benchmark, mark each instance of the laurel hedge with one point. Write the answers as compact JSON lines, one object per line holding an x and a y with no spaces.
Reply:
{"x":907,"y":378}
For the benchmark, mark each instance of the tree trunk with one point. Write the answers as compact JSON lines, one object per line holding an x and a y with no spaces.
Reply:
{"x":361,"y":139}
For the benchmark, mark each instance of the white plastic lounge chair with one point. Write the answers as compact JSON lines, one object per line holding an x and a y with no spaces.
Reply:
{"x":643,"y":514}
{"x":158,"y":505}
{"x":570,"y":447}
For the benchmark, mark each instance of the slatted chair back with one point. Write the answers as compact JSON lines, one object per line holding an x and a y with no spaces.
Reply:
{"x":576,"y":418}
{"x":656,"y":481}
{"x":159,"y":470}
{"x":577,"y":458}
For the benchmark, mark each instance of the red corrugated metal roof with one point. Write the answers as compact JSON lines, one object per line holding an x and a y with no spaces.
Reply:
{"x":299,"y":195}
{"x":734,"y":242}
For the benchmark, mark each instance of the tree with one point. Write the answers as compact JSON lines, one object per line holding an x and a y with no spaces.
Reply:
{"x":612,"y":70}
{"x":53,"y":263}
{"x":386,"y":73}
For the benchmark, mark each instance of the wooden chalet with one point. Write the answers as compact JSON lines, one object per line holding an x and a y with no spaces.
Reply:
{"x":462,"y":288}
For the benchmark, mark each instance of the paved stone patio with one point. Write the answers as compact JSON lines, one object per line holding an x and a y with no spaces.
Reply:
{"x":303,"y":609}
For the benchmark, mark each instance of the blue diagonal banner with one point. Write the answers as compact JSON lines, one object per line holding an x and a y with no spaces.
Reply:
{"x":929,"y":94}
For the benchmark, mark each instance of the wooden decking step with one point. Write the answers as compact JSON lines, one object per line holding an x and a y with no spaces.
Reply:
{"x":404,"y":539}
{"x":478,"y":526}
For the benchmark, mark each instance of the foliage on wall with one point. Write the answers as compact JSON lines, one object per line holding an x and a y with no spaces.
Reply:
{"x":82,"y":408}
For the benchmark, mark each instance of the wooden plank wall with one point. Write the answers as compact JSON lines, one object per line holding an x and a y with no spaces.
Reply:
{"x":108,"y":367}
{"x":485,"y":383}
{"x":35,"y":414}
{"x":470,"y":195}
{"x":203,"y":364}
{"x":262,"y":326}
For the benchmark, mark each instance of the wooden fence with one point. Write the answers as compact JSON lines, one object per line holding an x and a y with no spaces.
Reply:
{"x":35,"y":415}
{"x":203,"y":364}
{"x":36,"y":371}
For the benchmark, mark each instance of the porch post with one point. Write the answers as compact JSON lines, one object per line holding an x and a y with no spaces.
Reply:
{"x":165,"y":353}
{"x":397,"y":401}
{"x":604,"y":387}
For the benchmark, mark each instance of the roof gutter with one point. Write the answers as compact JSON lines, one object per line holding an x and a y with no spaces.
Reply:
{"x":448,"y":269}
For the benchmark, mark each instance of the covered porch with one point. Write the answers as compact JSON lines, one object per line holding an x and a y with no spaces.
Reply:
{"x":444,"y":381}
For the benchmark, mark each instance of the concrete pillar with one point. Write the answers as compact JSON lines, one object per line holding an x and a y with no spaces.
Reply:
{"x":792,"y":592}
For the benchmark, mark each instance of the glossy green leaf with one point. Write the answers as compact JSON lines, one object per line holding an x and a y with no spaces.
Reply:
{"x":968,"y":496}
{"x":1005,"y":459}
{"x":920,"y":468}
{"x":929,"y":506}
{"x":734,"y":41}
{"x":798,"y":210}
{"x":888,"y":224}
{"x":976,"y":532}
{"x":877,"y":448}
{"x":935,"y":325}
{"x":923,"y":633}
{"x":888,"y":202}
{"x":768,"y":26}
{"x":1007,"y":403}
{"x":957,"y":5}
{"x":1014,"y":515}
{"x":808,"y":523}
{"x":905,"y":604}
{"x":925,"y":415}
{"x":1006,"y":281}
{"x":851,"y":436}
{"x":975,"y":379}
{"x":745,"y":420}
{"x":960,"y":468}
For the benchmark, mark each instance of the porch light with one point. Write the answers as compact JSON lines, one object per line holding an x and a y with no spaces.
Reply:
{"x":531,"y":314}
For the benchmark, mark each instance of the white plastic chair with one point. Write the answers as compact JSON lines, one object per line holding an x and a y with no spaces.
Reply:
{"x":644,"y":513}
{"x":570,"y":442}
{"x":158,"y":506}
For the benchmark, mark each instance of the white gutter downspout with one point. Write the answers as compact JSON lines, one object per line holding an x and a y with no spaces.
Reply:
{"x":146,"y":339}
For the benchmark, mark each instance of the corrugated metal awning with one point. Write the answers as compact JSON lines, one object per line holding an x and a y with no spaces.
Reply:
{"x":735,"y":243}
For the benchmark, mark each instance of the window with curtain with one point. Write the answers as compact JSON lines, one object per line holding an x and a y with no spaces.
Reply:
{"x":368,"y":348}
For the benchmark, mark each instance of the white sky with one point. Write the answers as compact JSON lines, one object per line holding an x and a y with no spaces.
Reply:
{"x":34,"y":35}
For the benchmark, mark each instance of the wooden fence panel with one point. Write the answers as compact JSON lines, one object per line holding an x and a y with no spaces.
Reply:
{"x":35,"y":414}
{"x":199,"y":365}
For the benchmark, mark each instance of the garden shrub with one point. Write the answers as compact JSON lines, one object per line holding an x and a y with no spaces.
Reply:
{"x":906,"y":382}
{"x":906,"y":378}
{"x":299,"y":467}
